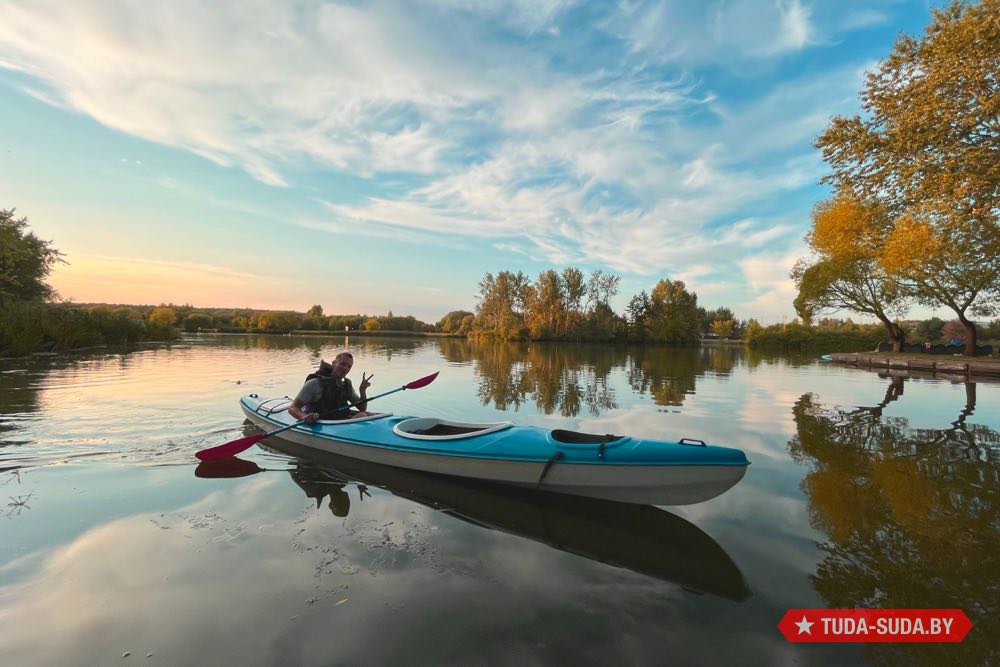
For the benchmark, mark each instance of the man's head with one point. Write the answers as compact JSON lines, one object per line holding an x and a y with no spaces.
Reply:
{"x":342,"y":364}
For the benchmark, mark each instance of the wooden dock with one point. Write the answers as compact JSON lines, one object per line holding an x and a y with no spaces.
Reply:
{"x":952,"y":368}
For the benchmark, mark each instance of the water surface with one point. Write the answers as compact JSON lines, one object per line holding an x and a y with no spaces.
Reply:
{"x":864,"y":491}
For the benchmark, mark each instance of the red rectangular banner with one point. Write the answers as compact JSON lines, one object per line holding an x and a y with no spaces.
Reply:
{"x":875,"y":625}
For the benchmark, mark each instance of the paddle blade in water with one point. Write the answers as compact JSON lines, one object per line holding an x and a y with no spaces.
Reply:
{"x":229,"y":449}
{"x":422,"y":382}
{"x":230,"y":467}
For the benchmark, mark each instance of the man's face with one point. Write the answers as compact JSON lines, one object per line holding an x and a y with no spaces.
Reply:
{"x":342,"y":366}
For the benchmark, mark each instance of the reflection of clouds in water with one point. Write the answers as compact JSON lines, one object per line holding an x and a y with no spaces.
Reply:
{"x":130,"y":585}
{"x":236,"y":577}
{"x":786,"y":537}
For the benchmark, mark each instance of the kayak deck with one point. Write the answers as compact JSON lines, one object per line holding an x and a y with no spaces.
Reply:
{"x":606,"y":466}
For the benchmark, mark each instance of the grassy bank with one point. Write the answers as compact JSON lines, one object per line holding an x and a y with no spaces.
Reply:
{"x":27,"y":327}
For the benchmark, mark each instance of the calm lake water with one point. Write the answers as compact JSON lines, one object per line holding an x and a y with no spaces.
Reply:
{"x":864,"y":491}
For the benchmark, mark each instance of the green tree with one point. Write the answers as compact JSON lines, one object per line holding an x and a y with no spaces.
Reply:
{"x":639,"y":313}
{"x":992,"y":331}
{"x":279,"y":321}
{"x":752,"y":330}
{"x":601,"y":288}
{"x":25,"y":261}
{"x":722,"y":328}
{"x":196,"y":321}
{"x":674,"y":316}
{"x":453,"y":321}
{"x":501,"y":304}
{"x":546,"y":309}
{"x":706,"y":318}
{"x":930,"y":147}
{"x":930,"y":330}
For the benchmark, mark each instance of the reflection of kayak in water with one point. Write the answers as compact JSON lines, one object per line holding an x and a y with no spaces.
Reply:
{"x":644,"y":539}
{"x":613,"y":467}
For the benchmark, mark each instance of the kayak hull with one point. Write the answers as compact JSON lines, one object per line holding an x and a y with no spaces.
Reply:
{"x":624,"y":470}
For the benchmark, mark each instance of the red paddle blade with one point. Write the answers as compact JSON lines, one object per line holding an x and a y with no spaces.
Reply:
{"x":229,"y":449}
{"x":422,"y":382}
{"x":231,"y":467}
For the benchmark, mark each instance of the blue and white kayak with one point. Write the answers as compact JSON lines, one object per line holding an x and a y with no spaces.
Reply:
{"x":622,"y":468}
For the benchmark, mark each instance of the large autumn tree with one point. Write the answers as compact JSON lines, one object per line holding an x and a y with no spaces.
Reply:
{"x":847,"y":239}
{"x":928,"y":146}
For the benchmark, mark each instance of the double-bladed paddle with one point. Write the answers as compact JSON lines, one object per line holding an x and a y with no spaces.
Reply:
{"x":234,"y":447}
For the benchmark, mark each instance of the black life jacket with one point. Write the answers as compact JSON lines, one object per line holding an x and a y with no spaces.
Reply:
{"x":336,"y":397}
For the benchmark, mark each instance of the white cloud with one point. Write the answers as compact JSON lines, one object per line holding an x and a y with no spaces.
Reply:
{"x":864,"y":18}
{"x":768,"y":278}
{"x":692,"y":32}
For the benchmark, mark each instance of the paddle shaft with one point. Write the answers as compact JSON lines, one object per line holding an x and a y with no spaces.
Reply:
{"x":283,"y":428}
{"x":365,"y":400}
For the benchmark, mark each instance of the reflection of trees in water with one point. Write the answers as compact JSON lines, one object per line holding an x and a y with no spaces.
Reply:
{"x":912,"y":516}
{"x":567,"y":378}
{"x":666,"y":373}
{"x":720,"y":359}
{"x":23,"y":379}
{"x":320,"y":346}
{"x":560,"y":377}
{"x":753,"y":358}
{"x":455,"y":350}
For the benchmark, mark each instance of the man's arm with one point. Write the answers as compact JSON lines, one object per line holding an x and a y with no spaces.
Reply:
{"x":297,"y":412}
{"x":306,"y":396}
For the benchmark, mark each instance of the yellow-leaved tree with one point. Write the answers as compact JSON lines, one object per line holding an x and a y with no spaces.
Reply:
{"x":845,"y":273}
{"x":928,"y":148}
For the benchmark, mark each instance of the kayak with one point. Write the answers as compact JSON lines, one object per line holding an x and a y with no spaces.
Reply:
{"x":611,"y":467}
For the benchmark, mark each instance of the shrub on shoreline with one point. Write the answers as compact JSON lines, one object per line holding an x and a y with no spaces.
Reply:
{"x":33,"y":326}
{"x":797,"y":336}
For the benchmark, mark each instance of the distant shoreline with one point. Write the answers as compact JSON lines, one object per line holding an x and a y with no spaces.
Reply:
{"x":331,"y":334}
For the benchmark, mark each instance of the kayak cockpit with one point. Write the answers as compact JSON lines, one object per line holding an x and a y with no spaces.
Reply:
{"x":432,"y":428}
{"x":564,"y":437}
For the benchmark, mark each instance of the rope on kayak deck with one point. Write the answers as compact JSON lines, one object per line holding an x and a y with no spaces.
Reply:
{"x":548,"y":464}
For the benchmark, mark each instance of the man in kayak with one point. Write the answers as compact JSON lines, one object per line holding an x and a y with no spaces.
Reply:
{"x":326,"y":396}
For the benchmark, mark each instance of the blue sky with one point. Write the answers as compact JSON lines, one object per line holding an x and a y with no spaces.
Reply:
{"x":376,"y":156}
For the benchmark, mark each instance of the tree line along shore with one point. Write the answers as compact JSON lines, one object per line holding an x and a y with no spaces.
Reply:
{"x":556,"y":306}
